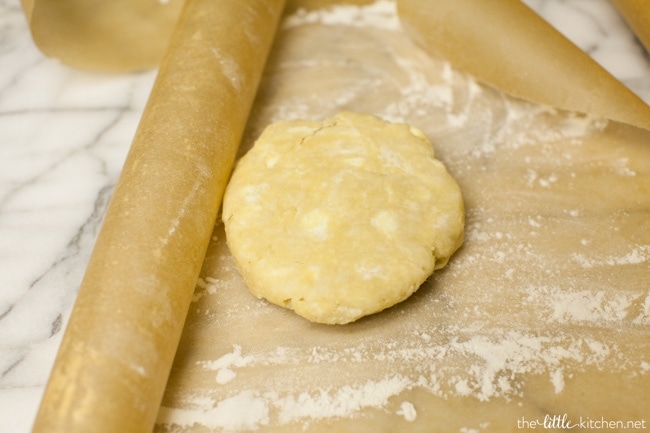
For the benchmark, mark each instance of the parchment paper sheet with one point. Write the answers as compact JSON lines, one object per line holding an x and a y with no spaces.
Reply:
{"x":117,"y":35}
{"x":543,"y":312}
{"x":502,"y":43}
{"x":507,"y":45}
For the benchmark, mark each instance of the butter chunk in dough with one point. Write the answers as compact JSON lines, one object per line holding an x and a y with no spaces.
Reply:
{"x":341,"y":218}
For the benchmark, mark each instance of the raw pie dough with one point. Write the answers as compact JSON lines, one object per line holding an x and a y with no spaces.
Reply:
{"x":341,"y":218}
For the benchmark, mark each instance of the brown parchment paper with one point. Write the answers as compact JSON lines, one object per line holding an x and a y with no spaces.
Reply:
{"x":505,"y":44}
{"x":541,"y":316}
{"x":119,"y":344}
{"x":502,"y":43}
{"x":117,"y":35}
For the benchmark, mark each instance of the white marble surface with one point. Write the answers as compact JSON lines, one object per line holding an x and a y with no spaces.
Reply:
{"x":63,"y":137}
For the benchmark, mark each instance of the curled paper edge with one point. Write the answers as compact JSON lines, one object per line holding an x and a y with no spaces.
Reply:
{"x":96,"y":35}
{"x":506,"y":45}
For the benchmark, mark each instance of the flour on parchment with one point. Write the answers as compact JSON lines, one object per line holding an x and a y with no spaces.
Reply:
{"x":547,"y":284}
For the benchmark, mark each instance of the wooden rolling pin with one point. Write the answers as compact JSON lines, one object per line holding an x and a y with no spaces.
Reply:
{"x":118,"y":348}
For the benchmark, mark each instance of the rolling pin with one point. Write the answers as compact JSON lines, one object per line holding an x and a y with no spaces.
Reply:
{"x":116,"y":354}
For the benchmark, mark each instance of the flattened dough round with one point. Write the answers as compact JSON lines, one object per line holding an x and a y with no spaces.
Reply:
{"x":341,"y":218}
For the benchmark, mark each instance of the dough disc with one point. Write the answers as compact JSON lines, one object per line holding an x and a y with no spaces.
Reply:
{"x":341,"y":218}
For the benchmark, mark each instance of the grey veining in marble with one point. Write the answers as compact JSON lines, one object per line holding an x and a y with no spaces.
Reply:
{"x":64,"y":135}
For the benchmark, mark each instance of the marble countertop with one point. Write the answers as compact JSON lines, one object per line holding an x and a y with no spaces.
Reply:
{"x":63,"y":137}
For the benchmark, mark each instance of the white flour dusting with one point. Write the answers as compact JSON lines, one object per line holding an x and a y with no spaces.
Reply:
{"x":407,"y":410}
{"x":637,"y":254}
{"x":593,"y":307}
{"x":224,"y":365}
{"x":381,"y":14}
{"x":340,"y":403}
{"x":480,"y":366}
{"x":557,"y":379}
{"x":242,"y":412}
